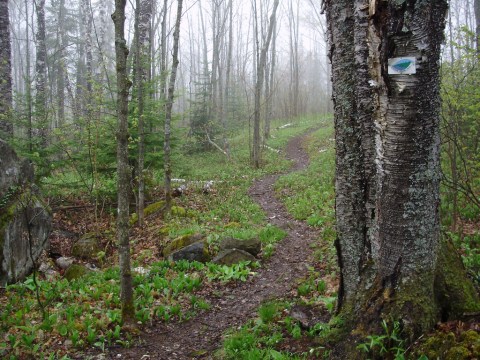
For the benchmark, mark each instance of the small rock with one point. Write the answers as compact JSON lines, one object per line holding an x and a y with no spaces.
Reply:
{"x":64,"y":262}
{"x":233,"y":256}
{"x":195,"y":252}
{"x":252,"y":246}
{"x":141,"y":270}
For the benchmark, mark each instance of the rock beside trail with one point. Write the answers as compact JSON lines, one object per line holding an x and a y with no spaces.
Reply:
{"x":233,"y":256}
{"x":195,"y":252}
{"x":25,"y":220}
{"x":87,"y":247}
{"x":252,"y":246}
{"x":181,"y":242}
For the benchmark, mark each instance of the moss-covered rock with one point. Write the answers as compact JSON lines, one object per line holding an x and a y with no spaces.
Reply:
{"x":181,"y":242}
{"x":197,"y":251}
{"x":87,"y":247}
{"x":76,"y":271}
{"x":149,"y":210}
{"x":25,"y":220}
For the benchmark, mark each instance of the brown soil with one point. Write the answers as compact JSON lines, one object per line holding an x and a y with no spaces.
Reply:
{"x":232,"y":305}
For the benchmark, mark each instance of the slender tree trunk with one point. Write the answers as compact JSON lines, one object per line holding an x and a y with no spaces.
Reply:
{"x":61,"y":48}
{"x":168,"y":108}
{"x":476,"y":5}
{"x":28,"y":86}
{"x":163,"y":53}
{"x":123,"y":172}
{"x":269,"y":85}
{"x":6,"y":125}
{"x":392,"y":263}
{"x":260,"y":76}
{"x":228,"y":71}
{"x":41,"y":124}
{"x":142,"y":65}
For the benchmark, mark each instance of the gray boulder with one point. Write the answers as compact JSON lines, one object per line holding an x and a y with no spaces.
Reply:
{"x":233,"y":256}
{"x":87,"y":247}
{"x":252,"y":246}
{"x":25,"y":220}
{"x":195,"y":252}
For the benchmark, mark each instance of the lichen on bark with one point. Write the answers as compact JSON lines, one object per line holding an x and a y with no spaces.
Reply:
{"x":393,"y":264}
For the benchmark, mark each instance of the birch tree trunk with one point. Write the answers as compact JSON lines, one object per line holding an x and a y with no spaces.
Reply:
{"x":168,"y":109}
{"x":393,"y":264}
{"x":27,"y":79}
{"x":41,"y":124}
{"x":6,"y":126}
{"x":60,"y":61}
{"x":142,"y":65}
{"x":476,"y":5}
{"x":123,"y":172}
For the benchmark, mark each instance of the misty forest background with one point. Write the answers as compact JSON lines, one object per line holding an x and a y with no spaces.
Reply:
{"x":64,"y":120}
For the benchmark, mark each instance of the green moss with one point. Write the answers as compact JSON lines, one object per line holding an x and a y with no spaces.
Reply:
{"x":149,"y":210}
{"x":179,"y":211}
{"x":458,"y":353}
{"x":440,"y":345}
{"x":153,"y":208}
{"x":232,"y":225}
{"x":454,"y":290}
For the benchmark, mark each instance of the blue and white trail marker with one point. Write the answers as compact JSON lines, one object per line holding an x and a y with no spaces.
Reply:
{"x":402,"y":66}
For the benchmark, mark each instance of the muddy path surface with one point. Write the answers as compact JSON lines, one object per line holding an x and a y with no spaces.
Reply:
{"x":232,"y":305}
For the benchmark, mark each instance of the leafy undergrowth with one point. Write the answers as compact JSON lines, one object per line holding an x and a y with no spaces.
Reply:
{"x":69,"y":316}
{"x":53,"y":318}
{"x":276,"y":334}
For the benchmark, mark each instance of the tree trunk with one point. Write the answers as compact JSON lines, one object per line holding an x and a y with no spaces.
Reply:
{"x":142,"y":65}
{"x":168,"y":109}
{"x":269,"y":88}
{"x":163,"y":53}
{"x":41,"y":124}
{"x":228,"y":71}
{"x":123,"y":172}
{"x":27,"y":79}
{"x":476,"y":5}
{"x":6,"y":126}
{"x":60,"y":61}
{"x":260,"y":76}
{"x":387,"y":163}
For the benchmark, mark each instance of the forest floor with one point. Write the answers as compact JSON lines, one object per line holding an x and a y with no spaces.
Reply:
{"x":233,"y":304}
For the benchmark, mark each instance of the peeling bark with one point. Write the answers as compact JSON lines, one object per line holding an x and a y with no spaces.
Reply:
{"x":387,"y":161}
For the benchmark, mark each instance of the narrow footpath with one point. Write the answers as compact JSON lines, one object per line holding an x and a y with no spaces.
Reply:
{"x":235,"y":303}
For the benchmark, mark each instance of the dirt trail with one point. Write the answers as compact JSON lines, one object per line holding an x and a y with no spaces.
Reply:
{"x":200,"y":337}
